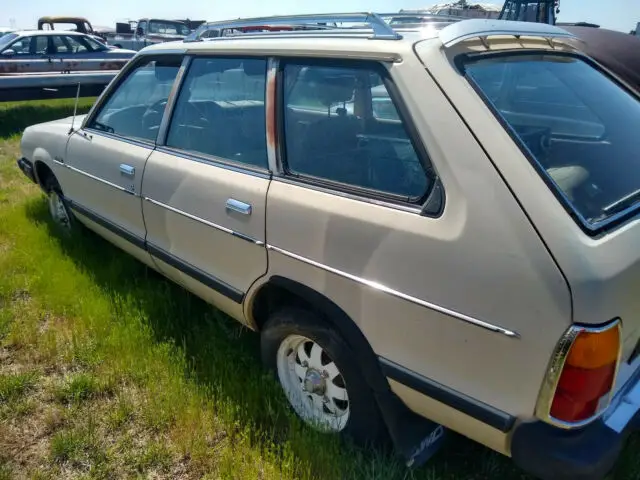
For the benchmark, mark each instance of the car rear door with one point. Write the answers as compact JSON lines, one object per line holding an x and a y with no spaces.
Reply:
{"x":205,"y":186}
{"x":105,"y":158}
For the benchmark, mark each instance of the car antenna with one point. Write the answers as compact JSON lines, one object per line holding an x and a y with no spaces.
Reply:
{"x":75,"y":110}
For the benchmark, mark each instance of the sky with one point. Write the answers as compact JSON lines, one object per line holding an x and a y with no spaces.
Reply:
{"x":620,"y":15}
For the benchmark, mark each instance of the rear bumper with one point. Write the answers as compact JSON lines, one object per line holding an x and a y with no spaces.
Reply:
{"x":589,"y":453}
{"x":27,"y":168}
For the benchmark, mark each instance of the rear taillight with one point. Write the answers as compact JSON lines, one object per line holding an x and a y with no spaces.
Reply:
{"x":581,"y":377}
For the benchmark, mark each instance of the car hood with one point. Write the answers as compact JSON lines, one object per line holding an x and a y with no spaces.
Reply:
{"x":68,"y":120}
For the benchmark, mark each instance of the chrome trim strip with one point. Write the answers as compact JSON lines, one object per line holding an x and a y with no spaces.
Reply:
{"x":384,"y":289}
{"x":214,"y":161}
{"x":554,"y":372}
{"x":205,"y":222}
{"x":161,"y":138}
{"x":113,"y":136}
{"x":98,"y":179}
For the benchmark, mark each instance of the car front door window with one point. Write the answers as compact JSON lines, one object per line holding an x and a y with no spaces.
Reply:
{"x":135,"y":108}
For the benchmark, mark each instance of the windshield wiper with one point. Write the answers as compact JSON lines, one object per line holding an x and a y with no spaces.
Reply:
{"x":622,"y":204}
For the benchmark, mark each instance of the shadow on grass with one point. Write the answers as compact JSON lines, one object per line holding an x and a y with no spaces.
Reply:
{"x":224,"y":358}
{"x":14,"y":118}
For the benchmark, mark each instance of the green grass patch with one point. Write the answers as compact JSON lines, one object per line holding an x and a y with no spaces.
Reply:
{"x":81,"y":387}
{"x":14,"y":386}
{"x":16,"y":116}
{"x":139,"y":379}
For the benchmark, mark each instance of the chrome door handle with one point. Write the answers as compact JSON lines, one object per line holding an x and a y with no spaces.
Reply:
{"x":127,"y":170}
{"x":238,"y":206}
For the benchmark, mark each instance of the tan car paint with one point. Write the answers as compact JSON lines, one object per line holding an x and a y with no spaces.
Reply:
{"x":201,"y":189}
{"x":419,"y":288}
{"x":599,"y":270}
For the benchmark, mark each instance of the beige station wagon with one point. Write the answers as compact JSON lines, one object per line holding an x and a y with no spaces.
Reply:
{"x":432,"y":228}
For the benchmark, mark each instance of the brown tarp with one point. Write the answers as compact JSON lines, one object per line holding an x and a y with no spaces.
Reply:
{"x":619,"y":52}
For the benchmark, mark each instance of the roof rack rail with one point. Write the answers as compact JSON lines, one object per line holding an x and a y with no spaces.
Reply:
{"x":381,"y":29}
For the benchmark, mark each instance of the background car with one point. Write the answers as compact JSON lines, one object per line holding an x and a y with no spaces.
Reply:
{"x":57,"y":47}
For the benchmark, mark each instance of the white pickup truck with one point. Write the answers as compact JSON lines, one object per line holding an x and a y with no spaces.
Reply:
{"x":147,"y":31}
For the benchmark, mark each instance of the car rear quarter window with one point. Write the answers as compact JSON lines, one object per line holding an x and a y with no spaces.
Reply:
{"x":220,"y":111}
{"x":342,"y":127}
{"x":576,"y":124}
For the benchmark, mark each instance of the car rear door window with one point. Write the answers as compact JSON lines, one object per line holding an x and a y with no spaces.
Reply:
{"x":136,"y":106}
{"x":343,"y":127}
{"x":220,"y":111}
{"x":578,"y":126}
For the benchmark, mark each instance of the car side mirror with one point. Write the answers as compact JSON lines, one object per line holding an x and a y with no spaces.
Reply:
{"x":139,"y":31}
{"x":9,"y":52}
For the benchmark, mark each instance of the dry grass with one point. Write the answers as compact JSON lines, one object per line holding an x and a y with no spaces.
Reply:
{"x":109,"y":371}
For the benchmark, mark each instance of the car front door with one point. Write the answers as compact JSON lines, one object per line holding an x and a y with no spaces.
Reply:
{"x":205,"y":186}
{"x":105,"y":158}
{"x":30,"y":54}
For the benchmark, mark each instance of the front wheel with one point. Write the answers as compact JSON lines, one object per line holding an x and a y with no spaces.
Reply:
{"x":58,"y":208}
{"x":320,"y":376}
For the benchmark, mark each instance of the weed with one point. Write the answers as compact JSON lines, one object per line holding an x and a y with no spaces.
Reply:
{"x":80,"y":387}
{"x":13,"y":386}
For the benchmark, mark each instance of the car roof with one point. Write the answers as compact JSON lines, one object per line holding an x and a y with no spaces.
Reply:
{"x":32,"y":33}
{"x":379,"y":41}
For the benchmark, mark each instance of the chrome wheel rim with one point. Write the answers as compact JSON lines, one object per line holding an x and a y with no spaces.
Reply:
{"x":58,"y":210}
{"x":313,"y":384}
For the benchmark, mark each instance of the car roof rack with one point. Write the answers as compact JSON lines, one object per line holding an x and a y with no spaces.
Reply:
{"x":321,"y":21}
{"x":326,"y":24}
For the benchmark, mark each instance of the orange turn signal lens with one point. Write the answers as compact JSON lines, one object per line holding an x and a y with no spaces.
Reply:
{"x":591,"y":350}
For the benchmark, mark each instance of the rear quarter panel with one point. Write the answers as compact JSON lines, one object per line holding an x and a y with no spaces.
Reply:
{"x":482,"y":257}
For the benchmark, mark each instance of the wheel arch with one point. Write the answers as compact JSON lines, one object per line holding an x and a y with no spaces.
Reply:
{"x":279,"y":291}
{"x":42,"y":173}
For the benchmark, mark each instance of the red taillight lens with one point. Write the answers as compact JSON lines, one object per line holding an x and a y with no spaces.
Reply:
{"x":588,"y":375}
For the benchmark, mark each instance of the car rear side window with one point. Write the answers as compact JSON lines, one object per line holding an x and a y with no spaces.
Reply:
{"x":342,"y":127}
{"x":220,"y":111}
{"x":578,"y":126}
{"x":135,"y":108}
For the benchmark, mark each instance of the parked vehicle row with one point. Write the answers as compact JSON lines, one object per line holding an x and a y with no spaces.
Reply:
{"x":420,"y":251}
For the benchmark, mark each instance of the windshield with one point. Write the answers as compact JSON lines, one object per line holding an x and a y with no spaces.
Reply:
{"x":576,"y":124}
{"x":168,"y":28}
{"x":5,"y":40}
{"x":95,"y":45}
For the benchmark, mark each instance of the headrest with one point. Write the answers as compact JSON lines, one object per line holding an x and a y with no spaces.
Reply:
{"x":331,"y":86}
{"x":256,"y":67}
{"x":220,"y":65}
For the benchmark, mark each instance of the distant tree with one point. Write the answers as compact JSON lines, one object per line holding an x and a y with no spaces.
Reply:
{"x":461,"y":4}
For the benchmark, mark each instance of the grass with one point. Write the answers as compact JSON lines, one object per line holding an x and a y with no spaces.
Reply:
{"x":108,"y":370}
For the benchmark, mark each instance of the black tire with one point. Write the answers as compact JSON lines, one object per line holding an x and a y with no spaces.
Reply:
{"x":365,"y":425}
{"x":52,"y":187}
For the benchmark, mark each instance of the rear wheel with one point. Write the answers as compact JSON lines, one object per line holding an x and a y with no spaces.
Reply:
{"x":320,"y":377}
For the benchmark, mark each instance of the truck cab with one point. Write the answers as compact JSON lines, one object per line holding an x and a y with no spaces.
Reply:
{"x":147,"y":31}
